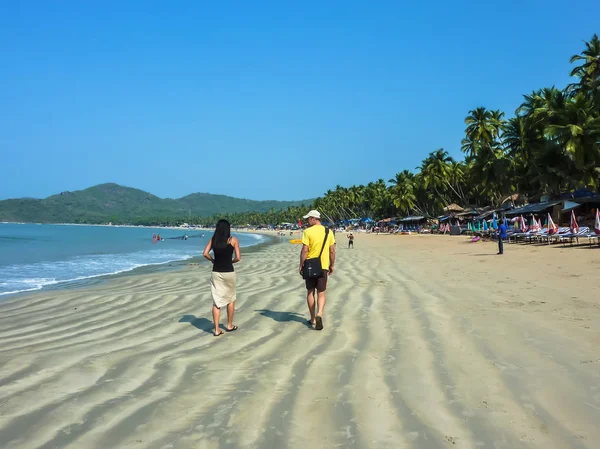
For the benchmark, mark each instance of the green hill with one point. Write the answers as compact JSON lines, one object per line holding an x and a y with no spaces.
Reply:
{"x":119,"y":204}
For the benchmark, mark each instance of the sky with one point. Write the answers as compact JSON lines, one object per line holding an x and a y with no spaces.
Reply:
{"x":260,"y":100}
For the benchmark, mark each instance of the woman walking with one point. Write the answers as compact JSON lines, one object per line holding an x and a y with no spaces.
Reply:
{"x":223,"y":278}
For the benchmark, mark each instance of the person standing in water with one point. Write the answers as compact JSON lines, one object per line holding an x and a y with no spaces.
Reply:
{"x":223,"y":278}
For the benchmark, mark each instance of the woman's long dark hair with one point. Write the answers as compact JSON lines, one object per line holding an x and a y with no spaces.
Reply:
{"x":222,"y":234}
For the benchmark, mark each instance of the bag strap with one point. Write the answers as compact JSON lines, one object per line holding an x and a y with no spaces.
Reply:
{"x":324,"y":241}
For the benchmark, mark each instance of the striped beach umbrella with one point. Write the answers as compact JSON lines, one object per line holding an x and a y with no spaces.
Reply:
{"x":574,"y":226}
{"x":524,"y":227}
{"x":552,"y":228}
{"x":597,"y":224}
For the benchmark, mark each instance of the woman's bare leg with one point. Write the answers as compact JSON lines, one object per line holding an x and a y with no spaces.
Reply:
{"x":230,"y":310}
{"x":216,"y":313}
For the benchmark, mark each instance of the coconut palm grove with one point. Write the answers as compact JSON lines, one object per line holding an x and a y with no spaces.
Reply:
{"x":549,"y":147}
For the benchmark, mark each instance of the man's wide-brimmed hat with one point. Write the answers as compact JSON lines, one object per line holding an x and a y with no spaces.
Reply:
{"x":313,"y":213}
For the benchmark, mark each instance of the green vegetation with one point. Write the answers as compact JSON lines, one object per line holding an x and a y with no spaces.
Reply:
{"x":123,"y":205}
{"x":550,"y":147}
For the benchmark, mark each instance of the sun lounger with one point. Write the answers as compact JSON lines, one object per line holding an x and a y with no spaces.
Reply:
{"x":524,"y":235}
{"x":583,"y":232}
{"x":537,"y":236}
{"x":556,"y":236}
{"x":592,"y":236}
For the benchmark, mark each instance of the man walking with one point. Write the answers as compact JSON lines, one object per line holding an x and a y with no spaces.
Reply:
{"x":350,"y":241}
{"x":501,"y":236}
{"x":317,"y":241}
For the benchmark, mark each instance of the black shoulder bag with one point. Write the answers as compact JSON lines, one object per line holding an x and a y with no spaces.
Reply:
{"x":312,"y":268}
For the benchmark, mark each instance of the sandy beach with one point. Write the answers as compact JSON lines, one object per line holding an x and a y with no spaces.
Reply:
{"x":429,"y":342}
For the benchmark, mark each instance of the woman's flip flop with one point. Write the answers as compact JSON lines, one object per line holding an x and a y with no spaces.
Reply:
{"x":220,"y":333}
{"x":234,"y":328}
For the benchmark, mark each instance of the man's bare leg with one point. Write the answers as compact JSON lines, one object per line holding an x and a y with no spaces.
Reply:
{"x":320,"y":303}
{"x":320,"y":306}
{"x":310,"y":300}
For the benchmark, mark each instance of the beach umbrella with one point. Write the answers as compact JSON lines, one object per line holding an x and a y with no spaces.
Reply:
{"x":469,"y":226}
{"x":485,"y":226}
{"x":574,"y":226}
{"x":523,"y":224}
{"x":495,"y":222}
{"x":535,"y":225}
{"x":552,"y":228}
{"x":597,"y":224}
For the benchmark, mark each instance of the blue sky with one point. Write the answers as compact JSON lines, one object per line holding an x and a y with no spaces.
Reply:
{"x":261,"y":100}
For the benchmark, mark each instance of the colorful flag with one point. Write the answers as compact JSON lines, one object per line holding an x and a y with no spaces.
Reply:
{"x":574,"y":225}
{"x":552,"y":228}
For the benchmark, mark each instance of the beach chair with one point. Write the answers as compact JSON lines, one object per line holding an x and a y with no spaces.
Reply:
{"x":583,"y":232}
{"x":537,"y":235}
{"x":591,"y":236}
{"x":524,"y":235}
{"x":556,"y":236}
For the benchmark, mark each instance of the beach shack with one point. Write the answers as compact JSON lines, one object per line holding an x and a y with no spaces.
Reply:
{"x":541,"y":210}
{"x":385,"y":225}
{"x":584,"y":203}
{"x":413,"y":223}
{"x":450,"y":221}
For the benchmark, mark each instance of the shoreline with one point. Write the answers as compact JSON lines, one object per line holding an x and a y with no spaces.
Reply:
{"x":152,"y":268}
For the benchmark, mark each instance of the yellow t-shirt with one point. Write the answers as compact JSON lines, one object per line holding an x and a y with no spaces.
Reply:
{"x":313,"y":238}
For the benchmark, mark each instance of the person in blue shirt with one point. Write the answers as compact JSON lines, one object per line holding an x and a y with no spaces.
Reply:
{"x":501,"y":236}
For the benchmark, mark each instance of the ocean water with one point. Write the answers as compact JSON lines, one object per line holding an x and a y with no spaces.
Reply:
{"x":36,"y":256}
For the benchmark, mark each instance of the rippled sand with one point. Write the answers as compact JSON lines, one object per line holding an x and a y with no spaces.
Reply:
{"x":429,"y":342}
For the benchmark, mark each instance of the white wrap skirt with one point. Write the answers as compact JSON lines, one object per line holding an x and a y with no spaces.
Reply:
{"x":222,"y":287}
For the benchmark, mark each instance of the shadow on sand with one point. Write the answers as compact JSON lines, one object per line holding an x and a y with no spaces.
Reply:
{"x":203,"y":324}
{"x":284,"y":316}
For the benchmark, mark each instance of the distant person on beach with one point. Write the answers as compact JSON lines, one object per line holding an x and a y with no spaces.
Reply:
{"x":317,"y":244}
{"x":350,"y":241}
{"x":223,"y":278}
{"x":501,"y":236}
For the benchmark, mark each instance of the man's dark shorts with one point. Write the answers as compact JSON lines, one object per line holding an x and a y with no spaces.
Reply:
{"x":319,"y":283}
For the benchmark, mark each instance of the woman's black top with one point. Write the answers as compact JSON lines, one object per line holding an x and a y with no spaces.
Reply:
{"x":223,"y":259}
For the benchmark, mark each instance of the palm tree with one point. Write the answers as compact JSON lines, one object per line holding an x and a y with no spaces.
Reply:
{"x":588,"y":71}
{"x":480,"y":131}
{"x":577,"y":129}
{"x":402,"y":191}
